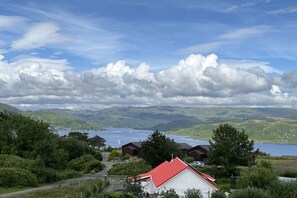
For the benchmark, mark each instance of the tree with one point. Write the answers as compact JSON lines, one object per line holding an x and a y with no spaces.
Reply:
{"x":158,"y":148}
{"x":96,"y":142}
{"x":230,"y":148}
{"x":78,"y":135}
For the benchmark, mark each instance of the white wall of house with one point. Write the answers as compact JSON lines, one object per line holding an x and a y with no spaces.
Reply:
{"x":188,"y":179}
{"x":149,"y":187}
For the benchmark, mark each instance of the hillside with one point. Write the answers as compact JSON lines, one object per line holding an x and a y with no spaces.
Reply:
{"x":8,"y":108}
{"x":166,"y":117}
{"x":60,"y":122}
{"x":283,"y":130}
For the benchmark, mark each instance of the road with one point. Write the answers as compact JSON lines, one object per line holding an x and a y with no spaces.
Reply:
{"x":68,"y":182}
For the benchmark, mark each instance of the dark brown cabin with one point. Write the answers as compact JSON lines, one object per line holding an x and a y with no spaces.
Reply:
{"x":133,"y":148}
{"x":199,"y":152}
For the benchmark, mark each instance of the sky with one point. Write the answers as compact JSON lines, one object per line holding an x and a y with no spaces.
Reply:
{"x":94,"y":54}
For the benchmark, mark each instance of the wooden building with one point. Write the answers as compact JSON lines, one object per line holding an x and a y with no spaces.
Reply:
{"x":134,"y":148}
{"x":199,"y":152}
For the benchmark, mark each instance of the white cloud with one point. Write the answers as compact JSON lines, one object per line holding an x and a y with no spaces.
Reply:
{"x":9,"y":22}
{"x":195,"y":81}
{"x":38,"y":35}
{"x":227,"y":38}
{"x":287,"y":10}
{"x":244,"y":33}
{"x":250,"y":64}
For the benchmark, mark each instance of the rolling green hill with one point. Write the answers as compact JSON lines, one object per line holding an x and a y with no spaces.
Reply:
{"x":165,"y":116}
{"x":282,"y":130}
{"x":60,"y":122}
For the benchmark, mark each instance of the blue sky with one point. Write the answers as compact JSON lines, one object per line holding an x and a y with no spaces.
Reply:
{"x":86,"y":35}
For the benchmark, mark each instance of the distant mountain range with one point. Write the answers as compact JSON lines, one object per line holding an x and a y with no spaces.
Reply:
{"x":56,"y":121}
{"x":262,"y":124}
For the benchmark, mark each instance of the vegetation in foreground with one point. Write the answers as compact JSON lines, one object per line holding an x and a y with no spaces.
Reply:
{"x":88,"y":189}
{"x":31,"y":154}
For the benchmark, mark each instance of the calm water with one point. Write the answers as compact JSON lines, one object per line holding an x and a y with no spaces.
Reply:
{"x":117,"y":137}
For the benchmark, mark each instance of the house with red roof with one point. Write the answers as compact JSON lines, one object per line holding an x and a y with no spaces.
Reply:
{"x":179,"y":176}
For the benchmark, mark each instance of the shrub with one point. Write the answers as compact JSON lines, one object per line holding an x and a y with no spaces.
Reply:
{"x":218,"y":194}
{"x":288,"y":173}
{"x":118,"y":195}
{"x":93,"y":165}
{"x":85,"y":163}
{"x":279,"y":189}
{"x":10,"y":161}
{"x":47,"y":175}
{"x":67,"y":174}
{"x":130,"y":168}
{"x":193,"y":193}
{"x":126,"y":157}
{"x":264,"y":164}
{"x":256,"y":177}
{"x":217,"y":172}
{"x":10,"y":177}
{"x":169,"y":194}
{"x":92,"y":188}
{"x":189,"y":159}
{"x":98,"y":155}
{"x":114,"y":155}
{"x":251,"y":193}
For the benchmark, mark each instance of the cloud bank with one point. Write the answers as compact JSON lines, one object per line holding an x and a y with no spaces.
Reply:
{"x":33,"y":83}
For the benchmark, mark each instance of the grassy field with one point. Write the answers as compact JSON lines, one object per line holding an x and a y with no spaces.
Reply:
{"x":282,"y":164}
{"x":86,"y":189}
{"x":9,"y":190}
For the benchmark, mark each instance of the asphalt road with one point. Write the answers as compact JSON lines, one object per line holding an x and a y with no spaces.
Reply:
{"x":68,"y":182}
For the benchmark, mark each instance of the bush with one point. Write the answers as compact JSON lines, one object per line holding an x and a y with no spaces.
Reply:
{"x":118,"y":195}
{"x":189,"y":159}
{"x":93,"y":165}
{"x":10,"y":177}
{"x":98,"y":155}
{"x":218,"y":194}
{"x":217,"y":172}
{"x":13,"y":161}
{"x":251,"y":193}
{"x":114,"y":155}
{"x":130,"y":168}
{"x":85,"y":163}
{"x":193,"y":193}
{"x":279,"y":189}
{"x":288,"y":173}
{"x":256,"y":177}
{"x":47,"y":175}
{"x":126,"y":157}
{"x":67,"y":174}
{"x":169,"y":194}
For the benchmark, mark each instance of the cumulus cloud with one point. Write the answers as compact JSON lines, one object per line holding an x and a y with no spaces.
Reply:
{"x":195,"y":81}
{"x":39,"y":35}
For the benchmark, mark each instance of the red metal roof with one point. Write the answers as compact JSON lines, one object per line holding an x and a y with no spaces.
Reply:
{"x":167,"y":170}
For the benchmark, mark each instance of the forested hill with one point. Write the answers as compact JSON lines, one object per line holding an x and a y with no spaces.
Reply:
{"x":56,"y":121}
{"x":8,"y":108}
{"x":166,"y":118}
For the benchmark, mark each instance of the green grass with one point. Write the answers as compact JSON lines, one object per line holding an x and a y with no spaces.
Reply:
{"x":85,"y":189}
{"x":281,"y":164}
{"x":14,"y":189}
